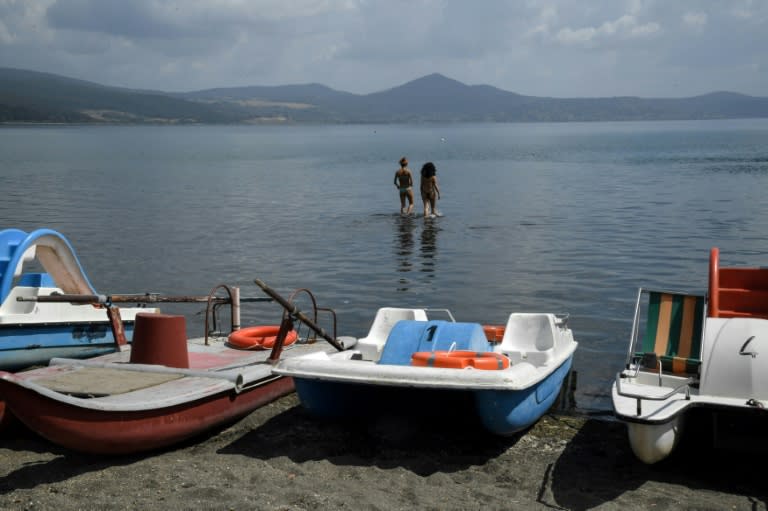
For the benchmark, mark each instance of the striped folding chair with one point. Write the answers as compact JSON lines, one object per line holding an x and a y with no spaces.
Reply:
{"x":673,"y":331}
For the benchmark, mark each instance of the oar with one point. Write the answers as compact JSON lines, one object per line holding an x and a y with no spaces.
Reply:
{"x":295,"y":312}
{"x":138,"y":298}
{"x":114,"y":314}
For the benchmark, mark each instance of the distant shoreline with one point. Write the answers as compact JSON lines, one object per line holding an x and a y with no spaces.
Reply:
{"x":49,"y":98}
{"x":320,"y":123}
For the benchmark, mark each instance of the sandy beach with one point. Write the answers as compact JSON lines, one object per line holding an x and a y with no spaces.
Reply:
{"x":281,"y":458}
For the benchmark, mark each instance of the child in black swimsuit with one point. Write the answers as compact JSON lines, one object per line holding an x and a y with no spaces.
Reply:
{"x":430,"y":192}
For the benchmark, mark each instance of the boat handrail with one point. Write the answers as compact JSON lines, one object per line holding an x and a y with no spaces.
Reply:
{"x":445,"y":311}
{"x":635,"y":328}
{"x":315,"y":310}
{"x":211,"y":308}
{"x":640,"y":397}
{"x":293,"y":312}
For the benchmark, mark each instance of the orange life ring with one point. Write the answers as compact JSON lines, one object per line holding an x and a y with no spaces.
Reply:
{"x":259,"y":337}
{"x":494,"y":333}
{"x":487,"y":360}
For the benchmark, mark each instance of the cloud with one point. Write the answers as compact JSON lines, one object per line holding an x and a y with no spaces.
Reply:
{"x":138,"y":19}
{"x":695,"y":20}
{"x":23,"y":22}
{"x":536,"y":47}
{"x":6,"y":36}
{"x":131,"y":19}
{"x":625,"y":27}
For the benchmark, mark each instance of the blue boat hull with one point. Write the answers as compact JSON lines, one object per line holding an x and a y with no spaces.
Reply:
{"x":501,"y":412}
{"x":28,"y":345}
{"x":506,"y":413}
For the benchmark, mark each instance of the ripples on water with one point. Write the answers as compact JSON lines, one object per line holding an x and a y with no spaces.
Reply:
{"x":567,"y":218}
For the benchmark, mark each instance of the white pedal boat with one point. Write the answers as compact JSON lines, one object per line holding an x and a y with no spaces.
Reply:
{"x":692,"y":351}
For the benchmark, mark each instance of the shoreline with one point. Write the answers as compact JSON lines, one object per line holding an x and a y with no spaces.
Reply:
{"x":280,"y":457}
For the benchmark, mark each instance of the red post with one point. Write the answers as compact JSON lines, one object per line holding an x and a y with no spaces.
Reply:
{"x":714,"y":283}
{"x":285,"y":326}
{"x":118,"y":332}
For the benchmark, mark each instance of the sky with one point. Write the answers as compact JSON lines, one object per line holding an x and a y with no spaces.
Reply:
{"x":552,"y":48}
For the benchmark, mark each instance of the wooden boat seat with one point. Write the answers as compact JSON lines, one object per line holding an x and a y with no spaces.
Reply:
{"x":103,"y":381}
{"x":673,"y":332}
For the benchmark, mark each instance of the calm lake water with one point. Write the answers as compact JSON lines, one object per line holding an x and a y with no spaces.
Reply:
{"x":568,"y":218}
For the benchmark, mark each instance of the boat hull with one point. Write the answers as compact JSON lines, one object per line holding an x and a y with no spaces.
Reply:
{"x":123,"y":432}
{"x":503,"y":412}
{"x":508,"y":412}
{"x":652,"y":443}
{"x":28,"y":345}
{"x":336,"y":400}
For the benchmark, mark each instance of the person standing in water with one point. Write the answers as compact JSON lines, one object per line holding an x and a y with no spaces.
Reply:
{"x":430,"y":192}
{"x":404,"y":184}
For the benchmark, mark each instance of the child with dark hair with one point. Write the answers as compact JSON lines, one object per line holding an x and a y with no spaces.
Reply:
{"x":430,"y":192}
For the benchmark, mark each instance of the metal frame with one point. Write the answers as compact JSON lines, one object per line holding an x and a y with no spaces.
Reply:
{"x":633,"y":362}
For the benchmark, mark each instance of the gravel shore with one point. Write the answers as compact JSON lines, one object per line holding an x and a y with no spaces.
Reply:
{"x":280,"y":458}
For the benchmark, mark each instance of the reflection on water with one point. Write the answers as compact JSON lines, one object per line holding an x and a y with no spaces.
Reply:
{"x":403,"y":247}
{"x":566,"y":399}
{"x":428,"y":252}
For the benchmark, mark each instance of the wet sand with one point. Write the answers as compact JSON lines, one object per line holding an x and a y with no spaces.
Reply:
{"x":280,"y":458}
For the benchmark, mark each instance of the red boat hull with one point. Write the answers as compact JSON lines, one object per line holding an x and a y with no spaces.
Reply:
{"x":108,"y":432}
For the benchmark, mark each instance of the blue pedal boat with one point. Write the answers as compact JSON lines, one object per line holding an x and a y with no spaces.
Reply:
{"x":32,"y":332}
{"x":507,"y":375}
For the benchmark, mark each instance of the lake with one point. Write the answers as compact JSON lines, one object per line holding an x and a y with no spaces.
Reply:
{"x":567,"y":218}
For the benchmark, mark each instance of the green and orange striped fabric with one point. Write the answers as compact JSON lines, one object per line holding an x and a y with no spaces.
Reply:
{"x":673,"y":331}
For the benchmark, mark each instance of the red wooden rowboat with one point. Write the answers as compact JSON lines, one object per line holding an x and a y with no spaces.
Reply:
{"x":159,"y":391}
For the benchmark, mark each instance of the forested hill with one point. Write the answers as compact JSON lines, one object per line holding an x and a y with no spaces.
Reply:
{"x":30,"y":96}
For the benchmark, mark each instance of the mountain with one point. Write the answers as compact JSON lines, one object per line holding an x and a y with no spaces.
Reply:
{"x":435,"y":98}
{"x":30,"y":96}
{"x":310,"y":93}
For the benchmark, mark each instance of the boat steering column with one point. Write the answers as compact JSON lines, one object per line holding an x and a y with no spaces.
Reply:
{"x":293,"y":312}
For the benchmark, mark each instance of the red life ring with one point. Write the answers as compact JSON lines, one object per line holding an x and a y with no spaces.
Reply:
{"x":487,"y":360}
{"x":259,"y":337}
